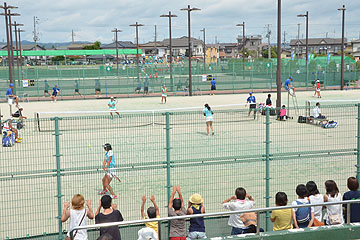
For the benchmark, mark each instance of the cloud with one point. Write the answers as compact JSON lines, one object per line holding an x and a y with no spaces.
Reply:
{"x":93,"y":20}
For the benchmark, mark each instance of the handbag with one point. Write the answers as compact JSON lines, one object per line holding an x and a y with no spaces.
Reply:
{"x":335,"y":219}
{"x":68,"y":238}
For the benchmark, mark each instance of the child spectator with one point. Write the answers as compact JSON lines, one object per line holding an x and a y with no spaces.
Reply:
{"x":302,"y":217}
{"x":152,"y":212}
{"x":77,"y":216}
{"x":147,"y":233}
{"x":282,"y":115}
{"x":176,"y":208}
{"x":334,"y":213}
{"x":281,"y":218}
{"x":110,"y":214}
{"x":315,"y":198}
{"x":197,"y":226}
{"x":353,"y":185}
{"x":238,"y":202}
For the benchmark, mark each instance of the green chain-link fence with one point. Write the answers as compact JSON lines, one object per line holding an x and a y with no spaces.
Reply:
{"x":230,"y":75}
{"x":154,"y":151}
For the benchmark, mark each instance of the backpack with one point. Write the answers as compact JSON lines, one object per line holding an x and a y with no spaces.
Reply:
{"x":303,"y":214}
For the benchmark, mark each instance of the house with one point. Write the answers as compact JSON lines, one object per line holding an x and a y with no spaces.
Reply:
{"x":286,"y":53}
{"x":157,"y":49}
{"x":78,"y":46}
{"x":31,"y":47}
{"x":316,"y":45}
{"x":180,"y":46}
{"x":252,"y":43}
{"x":121,"y":45}
{"x":356,"y":48}
{"x":228,"y":50}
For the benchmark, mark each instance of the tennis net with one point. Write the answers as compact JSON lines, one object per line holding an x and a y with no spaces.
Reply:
{"x":326,"y":103}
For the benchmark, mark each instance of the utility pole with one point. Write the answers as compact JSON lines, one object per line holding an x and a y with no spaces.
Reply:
{"x":170,"y":46}
{"x":116,"y":31}
{"x":137,"y":25}
{"x":204,"y":50}
{"x":17,"y":48}
{"x":307,"y":44}
{"x":155,"y":41}
{"x":20,"y":50}
{"x":284,"y":46}
{"x":278,"y":68}
{"x":215,"y":39}
{"x":72,"y":36}
{"x":189,"y":10}
{"x":268,"y":35}
{"x":298,"y":41}
{"x":243,"y":42}
{"x":35,"y":37}
{"x":343,"y":9}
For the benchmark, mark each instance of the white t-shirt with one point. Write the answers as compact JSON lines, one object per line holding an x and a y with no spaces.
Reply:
{"x":334,"y":209}
{"x":234,"y":220}
{"x":316,"y":112}
{"x":315,"y":199}
{"x":303,"y":201}
{"x":75,"y":218}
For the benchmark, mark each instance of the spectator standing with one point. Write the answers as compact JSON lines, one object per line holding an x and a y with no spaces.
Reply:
{"x":146,"y":85}
{"x":334,"y":213}
{"x":77,"y":216}
{"x":176,"y":208}
{"x":152,"y":212}
{"x":315,"y":198}
{"x":97,"y":87}
{"x":110,"y":214}
{"x":302,"y":217}
{"x":213,"y":86}
{"x":77,"y":91}
{"x":353,"y":185}
{"x":197,"y":225}
{"x":268,"y":101}
{"x":238,"y":202}
{"x":46,"y":88}
{"x":281,"y":218}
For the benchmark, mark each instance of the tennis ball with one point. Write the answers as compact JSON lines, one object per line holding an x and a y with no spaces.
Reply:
{"x":89,"y":145}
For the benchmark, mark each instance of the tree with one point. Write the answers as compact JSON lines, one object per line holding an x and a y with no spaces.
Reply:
{"x":94,"y":46}
{"x":58,"y":58}
{"x":273,"y":52}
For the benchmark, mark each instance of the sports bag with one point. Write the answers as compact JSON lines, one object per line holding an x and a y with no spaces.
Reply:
{"x":330,"y":124}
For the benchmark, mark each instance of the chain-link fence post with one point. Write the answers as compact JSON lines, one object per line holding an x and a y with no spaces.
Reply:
{"x":267,"y":170}
{"x":58,"y":174}
{"x":358,"y":145}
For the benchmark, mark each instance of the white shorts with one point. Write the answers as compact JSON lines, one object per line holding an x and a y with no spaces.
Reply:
{"x":111,"y":172}
{"x":317,"y":89}
{"x":209,"y":119}
{"x":112,"y":110}
{"x":163,"y":95}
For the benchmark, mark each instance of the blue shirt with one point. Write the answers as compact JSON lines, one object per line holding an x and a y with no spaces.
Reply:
{"x":9,"y":92}
{"x":287,"y":82}
{"x":355,"y":207}
{"x":56,"y":90}
{"x":107,"y":156}
{"x":208,"y":112}
{"x":251,"y":99}
{"x":213,"y":82}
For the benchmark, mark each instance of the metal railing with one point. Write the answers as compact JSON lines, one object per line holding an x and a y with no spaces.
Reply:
{"x":227,"y":213}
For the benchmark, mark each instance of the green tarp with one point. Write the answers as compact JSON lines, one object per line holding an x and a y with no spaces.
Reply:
{"x":75,"y":52}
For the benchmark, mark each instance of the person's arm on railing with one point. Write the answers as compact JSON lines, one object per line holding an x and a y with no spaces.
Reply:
{"x":143,"y":206}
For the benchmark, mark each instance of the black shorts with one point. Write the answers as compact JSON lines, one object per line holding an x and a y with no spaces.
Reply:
{"x":213,"y":87}
{"x":97,"y":89}
{"x":253,"y":105}
{"x":146,"y":89}
{"x":46,"y":91}
{"x":76,"y":90}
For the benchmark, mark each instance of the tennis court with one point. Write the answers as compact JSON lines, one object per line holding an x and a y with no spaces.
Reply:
{"x":154,"y":151}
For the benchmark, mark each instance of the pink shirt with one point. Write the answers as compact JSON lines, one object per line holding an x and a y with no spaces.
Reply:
{"x":282,"y":112}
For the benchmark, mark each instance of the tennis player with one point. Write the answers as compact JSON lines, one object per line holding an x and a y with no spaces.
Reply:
{"x":252,"y":100}
{"x":317,"y":88}
{"x":112,"y":106}
{"x":109,"y":167}
{"x":56,"y":90}
{"x":163,"y":93}
{"x":208,"y":113}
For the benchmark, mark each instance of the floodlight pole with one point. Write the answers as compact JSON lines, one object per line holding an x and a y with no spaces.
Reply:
{"x":204,"y":50}
{"x":170,"y":46}
{"x":117,"y":49}
{"x":278,"y":68}
{"x":188,"y":9}
{"x":137,"y":25}
{"x":307,"y":45}
{"x":343,"y":9}
{"x":17,"y":49}
{"x":243,"y":43}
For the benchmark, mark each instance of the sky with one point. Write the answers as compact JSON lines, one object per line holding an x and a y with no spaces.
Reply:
{"x":93,"y":20}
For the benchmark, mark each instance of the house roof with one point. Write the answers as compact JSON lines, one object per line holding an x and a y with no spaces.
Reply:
{"x":152,"y":45}
{"x":222,"y":45}
{"x":27,"y":47}
{"x":356,"y":41}
{"x":317,"y":41}
{"x":121,"y":44}
{"x":182,"y":42}
{"x":100,"y":57}
{"x":78,"y":45}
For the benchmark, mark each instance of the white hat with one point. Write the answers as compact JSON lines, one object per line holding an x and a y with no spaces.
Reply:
{"x":318,"y":80}
{"x":147,"y":234}
{"x":111,"y":97}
